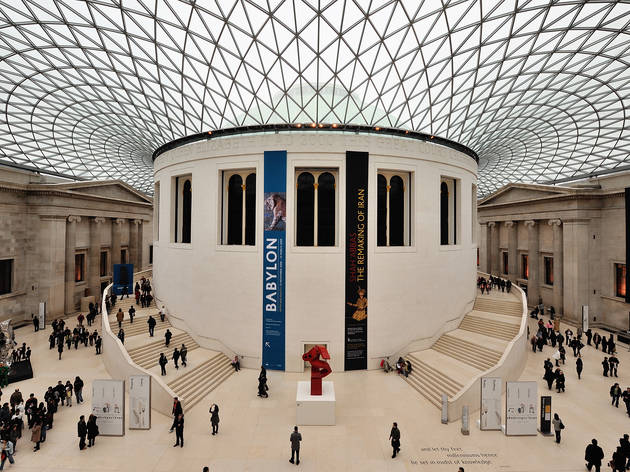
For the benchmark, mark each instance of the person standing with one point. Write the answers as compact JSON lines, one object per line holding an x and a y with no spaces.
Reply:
{"x":92,"y":430}
{"x":179,"y":430}
{"x":151,"y":322}
{"x":613,"y":361}
{"x":605,"y":365}
{"x":618,"y":461}
{"x":615,"y":393}
{"x":183,"y":354}
{"x":593,"y":456}
{"x":604,"y":344}
{"x":35,"y":322}
{"x":176,"y":355}
{"x":394,"y":436}
{"x":176,"y":411}
{"x":295,"y":440}
{"x":36,"y":433}
{"x":162,"y":361}
{"x":625,"y":447}
{"x":81,"y":432}
{"x":119,"y":317}
{"x":7,"y":453}
{"x":579,"y":365}
{"x":98,"y":343}
{"x":167,"y":337}
{"x":214,"y":418}
{"x":596,"y":340}
{"x":558,"y":426}
{"x":78,"y":389}
{"x":132,"y":312}
{"x":626,"y":399}
{"x":121,"y":335}
{"x":60,"y":349}
{"x":589,"y":336}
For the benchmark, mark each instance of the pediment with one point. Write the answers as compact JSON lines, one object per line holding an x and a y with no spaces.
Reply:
{"x":512,"y":193}
{"x":109,"y":189}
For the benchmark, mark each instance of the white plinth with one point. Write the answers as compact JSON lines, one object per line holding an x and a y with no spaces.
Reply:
{"x":315,"y":410}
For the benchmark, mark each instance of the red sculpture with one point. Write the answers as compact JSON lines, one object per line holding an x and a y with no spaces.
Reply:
{"x":319,"y":368}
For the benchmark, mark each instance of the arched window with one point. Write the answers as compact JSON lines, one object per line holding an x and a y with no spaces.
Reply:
{"x":238,"y":215}
{"x":235,"y":210}
{"x":305,"y":221}
{"x":182,"y":209}
{"x":186,"y":211}
{"x":393,"y":213}
{"x":444,"y":213}
{"x":326,"y":210}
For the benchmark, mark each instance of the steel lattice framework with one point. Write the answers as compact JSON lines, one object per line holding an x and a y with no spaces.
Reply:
{"x":539,"y":89}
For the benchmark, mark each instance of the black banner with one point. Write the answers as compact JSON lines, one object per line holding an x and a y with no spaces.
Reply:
{"x":356,"y":260}
{"x":627,"y":198}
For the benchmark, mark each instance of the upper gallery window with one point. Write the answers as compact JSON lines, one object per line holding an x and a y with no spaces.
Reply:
{"x":393,"y":208}
{"x":449,"y":210}
{"x":620,"y":280}
{"x":316,"y":207}
{"x":182,"y":208}
{"x":6,"y":276}
{"x":238,"y":211}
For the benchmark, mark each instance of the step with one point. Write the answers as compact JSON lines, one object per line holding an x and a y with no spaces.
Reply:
{"x":139,"y":325}
{"x":448,"y":381}
{"x":467,"y":352}
{"x":205,"y":379}
{"x":490,"y":328}
{"x":192,"y":398}
{"x":190,"y":377}
{"x":157,"y":343}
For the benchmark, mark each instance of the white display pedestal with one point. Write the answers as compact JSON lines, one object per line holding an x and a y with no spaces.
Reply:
{"x":315,"y":410}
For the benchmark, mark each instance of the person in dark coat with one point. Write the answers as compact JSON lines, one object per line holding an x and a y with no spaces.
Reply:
{"x":611,"y":344}
{"x":618,"y":460}
{"x":176,"y":355}
{"x":626,"y":399}
{"x":613,"y":361}
{"x":214,"y":418}
{"x":604,"y":345}
{"x":121,"y":335}
{"x":625,"y":447}
{"x":560,"y":339}
{"x":60,"y":349}
{"x":167,"y":337}
{"x":579,"y":365}
{"x":162,"y":361}
{"x":559,"y":381}
{"x":179,"y":431}
{"x":589,"y":336}
{"x":35,"y":322}
{"x":596,"y":340}
{"x":394,"y":436}
{"x":606,"y":366}
{"x":176,"y":411}
{"x":262,"y":387}
{"x":295,"y":439}
{"x":78,"y":389}
{"x":92,"y":430}
{"x":183,"y":354}
{"x":549,"y":377}
{"x":97,"y":344}
{"x":81,"y":432}
{"x":615,"y":393}
{"x":593,"y":456}
{"x":151,"y":322}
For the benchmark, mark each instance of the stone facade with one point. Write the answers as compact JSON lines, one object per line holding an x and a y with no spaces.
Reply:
{"x":45,"y":222}
{"x":578,"y":227}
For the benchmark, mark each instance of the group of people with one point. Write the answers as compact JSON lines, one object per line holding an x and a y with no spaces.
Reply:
{"x":179,"y":355}
{"x":556,"y":376}
{"x":22,"y":353}
{"x":263,"y":388}
{"x":486,"y":285}
{"x":142,"y":292}
{"x":620,"y":461}
{"x":61,"y":335}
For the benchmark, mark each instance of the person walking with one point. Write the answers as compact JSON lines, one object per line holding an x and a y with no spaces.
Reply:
{"x":605,"y":365}
{"x":36,"y":433}
{"x":183,"y":354}
{"x":92,"y":430}
{"x":176,"y":411}
{"x":560,"y":381}
{"x":60,"y":349}
{"x":132,"y":312}
{"x":618,"y":461}
{"x":179,"y":430}
{"x":162,"y":314}
{"x":81,"y":432}
{"x":35,"y":322}
{"x":579,"y":365}
{"x":151,"y":322}
{"x":593,"y":456}
{"x":119,"y":317}
{"x":214,"y":418}
{"x":625,"y":447}
{"x":7,"y":453}
{"x":394,"y":436}
{"x":176,"y":355}
{"x":167,"y":337}
{"x":613,"y":361}
{"x":98,"y":344}
{"x":615,"y":393}
{"x":121,"y":335}
{"x":162,"y":361}
{"x":78,"y":389}
{"x":295,"y":440}
{"x":558,"y":426}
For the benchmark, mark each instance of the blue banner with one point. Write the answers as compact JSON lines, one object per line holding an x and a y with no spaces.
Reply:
{"x":274,"y":259}
{"x":123,"y":277}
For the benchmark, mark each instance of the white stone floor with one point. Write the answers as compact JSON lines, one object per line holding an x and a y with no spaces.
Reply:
{"x":254,"y":432}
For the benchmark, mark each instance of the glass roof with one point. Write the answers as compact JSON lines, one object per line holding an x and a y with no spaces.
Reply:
{"x":539,"y":89}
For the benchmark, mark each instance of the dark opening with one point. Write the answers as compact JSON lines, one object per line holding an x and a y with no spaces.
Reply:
{"x":381,"y":210}
{"x":250,"y":210}
{"x":396,"y":212}
{"x":443,"y":213}
{"x":186,"y":211}
{"x":326,"y":210}
{"x":235,"y":210}
{"x":620,"y":280}
{"x":6,"y":276}
{"x":79,"y":267}
{"x":305,"y":210}
{"x":104,"y":268}
{"x":151,"y":254}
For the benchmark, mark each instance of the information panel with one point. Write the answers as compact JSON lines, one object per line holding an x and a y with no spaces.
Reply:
{"x":521,"y":401}
{"x":274,"y":257}
{"x":356,"y":307}
{"x":140,"y":402}
{"x":108,"y":405}
{"x":490,"y":404}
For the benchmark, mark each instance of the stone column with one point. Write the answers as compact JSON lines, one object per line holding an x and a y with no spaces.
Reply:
{"x":558,"y":256}
{"x":116,"y":238}
{"x":512,"y":249}
{"x":51,"y":246}
{"x":533,"y":280}
{"x":495,"y":267}
{"x":71,"y":243}
{"x":94,"y":257}
{"x":141,"y":246}
{"x":483,"y":247}
{"x":575,"y":254}
{"x":133,"y":243}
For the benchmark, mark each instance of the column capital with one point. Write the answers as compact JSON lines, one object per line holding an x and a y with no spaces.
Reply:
{"x":74,"y":219}
{"x":98,"y":219}
{"x":136,"y":222}
{"x":492,"y":224}
{"x":530,"y":223}
{"x":510,"y":224}
{"x":118,"y":221}
{"x":556,"y":222}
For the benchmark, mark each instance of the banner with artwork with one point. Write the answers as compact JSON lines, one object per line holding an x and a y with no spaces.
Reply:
{"x":356,"y":300}
{"x":521,"y":401}
{"x":274,"y":259}
{"x":490,"y":404}
{"x":108,"y":405}
{"x":140,"y":402}
{"x":123,"y":277}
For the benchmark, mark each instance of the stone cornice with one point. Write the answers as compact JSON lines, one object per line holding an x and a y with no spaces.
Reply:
{"x":578,"y":195}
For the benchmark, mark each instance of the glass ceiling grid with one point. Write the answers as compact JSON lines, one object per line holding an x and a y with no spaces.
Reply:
{"x":539,"y":89}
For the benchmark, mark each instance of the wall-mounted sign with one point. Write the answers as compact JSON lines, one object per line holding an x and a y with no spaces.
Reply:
{"x":521,"y":401}
{"x":490,"y":404}
{"x":140,"y":402}
{"x":108,"y":405}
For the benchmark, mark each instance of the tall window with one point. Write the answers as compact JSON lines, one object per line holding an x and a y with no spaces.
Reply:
{"x":505,"y":262}
{"x":473,"y":212}
{"x":239,"y":207}
{"x":316,"y":207}
{"x":123,"y":256}
{"x":182,"y":208}
{"x":104,"y":267}
{"x":150,"y":253}
{"x":393,"y":213}
{"x":156,"y":211}
{"x":79,"y":267}
{"x":524,"y":266}
{"x":548,"y":261}
{"x":620,"y":280}
{"x":448,"y":210}
{"x":6,"y":276}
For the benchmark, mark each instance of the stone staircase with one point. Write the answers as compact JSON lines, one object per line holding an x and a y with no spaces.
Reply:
{"x":460,"y":355}
{"x":198,"y":382}
{"x":139,"y":325}
{"x":147,"y":356}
